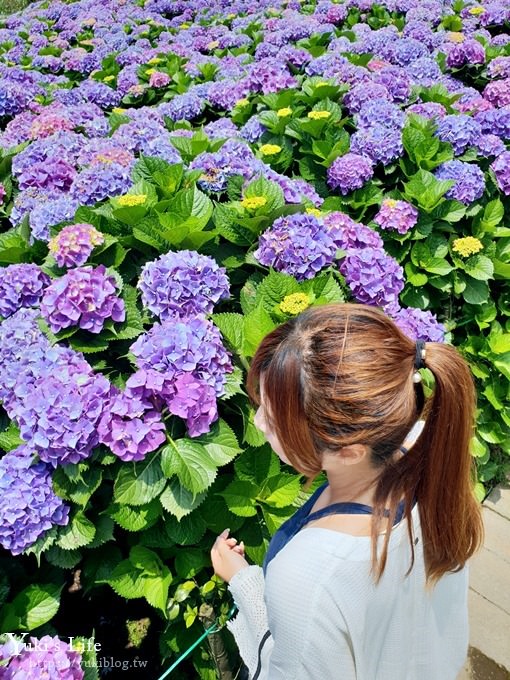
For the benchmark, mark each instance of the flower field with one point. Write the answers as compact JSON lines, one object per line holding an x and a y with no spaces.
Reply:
{"x":176,"y":179}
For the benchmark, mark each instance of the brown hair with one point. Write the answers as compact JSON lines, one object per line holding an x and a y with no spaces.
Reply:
{"x":342,"y":374}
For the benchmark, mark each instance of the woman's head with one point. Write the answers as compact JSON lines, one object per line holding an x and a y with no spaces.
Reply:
{"x":334,"y":376}
{"x":342,"y":375}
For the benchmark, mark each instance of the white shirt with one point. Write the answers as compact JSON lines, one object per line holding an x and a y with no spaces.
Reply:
{"x":329,"y":621}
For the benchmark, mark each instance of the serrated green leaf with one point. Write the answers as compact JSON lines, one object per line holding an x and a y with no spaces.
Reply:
{"x":135,"y":519}
{"x":281,"y":491}
{"x":147,"y":166}
{"x":274,"y":287}
{"x":499,"y":344}
{"x":156,"y":589}
{"x":139,"y":483}
{"x":65,"y":559}
{"x":233,"y":383}
{"x":231,"y":327}
{"x":126,"y":581}
{"x":34,"y":606}
{"x":188,"y":531}
{"x":104,"y":532}
{"x":78,"y":533}
{"x":479,"y":267}
{"x":9,"y":438}
{"x":476,"y":292}
{"x":492,"y":215}
{"x":257,"y":324}
{"x":240,"y":497}
{"x":191,"y":462}
{"x":271,"y":191}
{"x":220,"y":443}
{"x":178,"y":500}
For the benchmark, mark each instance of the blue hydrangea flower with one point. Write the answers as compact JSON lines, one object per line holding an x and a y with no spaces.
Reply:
{"x":380,"y":144}
{"x":460,"y":130}
{"x":380,"y":112}
{"x":297,"y":245}
{"x":374,"y":277}
{"x":469,"y":180}
{"x":85,"y":297}
{"x":28,"y":504}
{"x":183,"y":283}
{"x":350,"y":172}
{"x":21,"y":285}
{"x":50,"y":656}
{"x":419,"y":324}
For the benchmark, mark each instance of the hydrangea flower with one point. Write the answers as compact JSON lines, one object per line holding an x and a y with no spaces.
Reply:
{"x":100,"y":181}
{"x":378,"y":143}
{"x":501,"y":168}
{"x":185,"y":106}
{"x":59,"y":411}
{"x":34,"y":659}
{"x":51,"y":175}
{"x":380,"y":112}
{"x":349,"y":172}
{"x":490,"y":145}
{"x":460,"y":130}
{"x":192,"y":362}
{"x":469,"y":180}
{"x":85,"y":297}
{"x":72,"y":246}
{"x":28,"y":504}
{"x":297,"y":245}
{"x":21,"y":285}
{"x":467,"y":246}
{"x":419,"y":324}
{"x":374,"y":277}
{"x":130,"y":427}
{"x":347,"y":234}
{"x":3,"y":193}
{"x":183,"y":283}
{"x":398,"y":215}
{"x":498,"y":92}
{"x":159,"y":79}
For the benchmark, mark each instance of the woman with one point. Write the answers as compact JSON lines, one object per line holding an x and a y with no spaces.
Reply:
{"x":367,"y":580}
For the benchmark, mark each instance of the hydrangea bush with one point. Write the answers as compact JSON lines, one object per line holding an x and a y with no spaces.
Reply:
{"x":177,"y":178}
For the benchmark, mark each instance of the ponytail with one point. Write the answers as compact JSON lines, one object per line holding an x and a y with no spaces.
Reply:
{"x":438,"y":471}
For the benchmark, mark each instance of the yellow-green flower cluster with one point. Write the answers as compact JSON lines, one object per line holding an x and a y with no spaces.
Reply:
{"x":254,"y":202}
{"x":131,"y":200}
{"x":467,"y":246}
{"x":295,"y":303}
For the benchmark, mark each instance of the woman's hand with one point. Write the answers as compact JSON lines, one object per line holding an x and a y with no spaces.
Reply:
{"x":227,"y":556}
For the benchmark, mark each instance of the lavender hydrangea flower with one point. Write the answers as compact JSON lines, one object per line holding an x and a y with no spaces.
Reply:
{"x":501,"y":168}
{"x":380,"y":112}
{"x":431,"y":110}
{"x":469,"y":180}
{"x":3,"y":193}
{"x":47,"y":657}
{"x":130,"y":427}
{"x":159,"y":79}
{"x":53,"y":175}
{"x":59,"y":412}
{"x":85,"y":297}
{"x":490,"y":145}
{"x":347,"y":234}
{"x":498,"y":92}
{"x":364,"y":92}
{"x":297,"y":245}
{"x":378,"y":143}
{"x":72,"y":246}
{"x":191,"y":358}
{"x":419,"y":324}
{"x":183,"y":107}
{"x":28,"y":504}
{"x":21,"y":285}
{"x":398,"y":215}
{"x":374,"y":277}
{"x":460,"y":130}
{"x":349,"y":172}
{"x":97,"y":182}
{"x":182,"y":284}
{"x":253,"y":130}
{"x":495,"y":121}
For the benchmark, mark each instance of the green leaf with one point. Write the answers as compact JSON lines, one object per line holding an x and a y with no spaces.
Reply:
{"x":281,"y":490}
{"x":240,"y":498}
{"x":188,"y":531}
{"x":104,"y":532}
{"x":126,"y":581}
{"x":156,"y":589}
{"x":65,"y":559}
{"x":178,"y":500}
{"x":220,"y":443}
{"x":135,"y":519}
{"x":499,"y":344}
{"x":492,"y":215}
{"x":147,"y":166}
{"x":257,"y":324}
{"x":32,"y":607}
{"x":79,"y":532}
{"x":225,"y":219}
{"x":475,"y":292}
{"x":269,"y":190}
{"x":479,"y":267}
{"x":233,"y":383}
{"x":274,"y":287}
{"x":9,"y":438}
{"x":139,"y":483}
{"x":191,"y":463}
{"x":231,"y":327}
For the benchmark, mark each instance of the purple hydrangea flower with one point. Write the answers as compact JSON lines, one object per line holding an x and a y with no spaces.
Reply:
{"x":100,"y":181}
{"x":419,"y":324}
{"x":490,"y":145}
{"x":130,"y":427}
{"x":380,"y":112}
{"x":253,"y":130}
{"x":159,"y":79}
{"x":176,"y":349}
{"x":21,"y":285}
{"x":469,"y":180}
{"x":501,"y":168}
{"x":59,"y":411}
{"x":364,"y":92}
{"x":378,"y":143}
{"x":37,"y":658}
{"x":297,"y":245}
{"x":28,"y":507}
{"x":350,"y":172}
{"x":460,"y":130}
{"x":499,"y":67}
{"x":498,"y":92}
{"x":183,"y":107}
{"x":396,"y":81}
{"x":495,"y":121}
{"x":72,"y":246}
{"x":50,"y":175}
{"x":347,"y":234}
{"x":431,"y":110}
{"x":183,"y":283}
{"x":85,"y":297}
{"x":398,"y":215}
{"x":3,"y":193}
{"x":374,"y":277}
